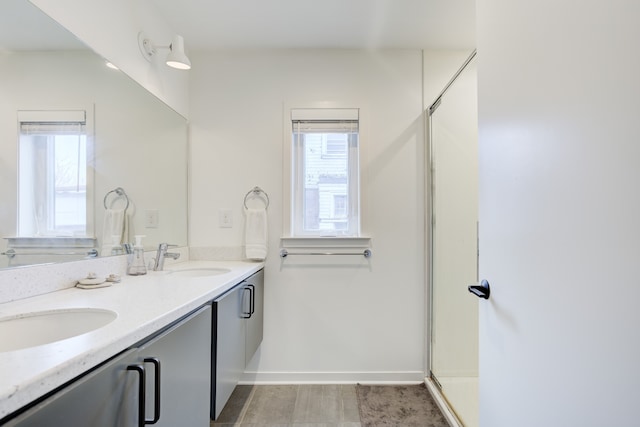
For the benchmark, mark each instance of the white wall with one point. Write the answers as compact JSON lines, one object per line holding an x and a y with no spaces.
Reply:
{"x":559,"y":206}
{"x":331,"y":318}
{"x":111,"y":29}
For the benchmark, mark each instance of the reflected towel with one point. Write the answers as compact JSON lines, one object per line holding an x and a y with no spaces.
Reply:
{"x":113,"y":230}
{"x":256,"y":234}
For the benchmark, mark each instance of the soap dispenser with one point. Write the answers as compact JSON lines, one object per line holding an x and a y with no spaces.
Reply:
{"x":137,"y":265}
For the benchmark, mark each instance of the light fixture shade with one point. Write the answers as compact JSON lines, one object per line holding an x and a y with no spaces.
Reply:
{"x":177,"y":58}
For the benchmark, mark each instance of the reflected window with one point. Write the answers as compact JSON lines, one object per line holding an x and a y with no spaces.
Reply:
{"x":52,"y":181}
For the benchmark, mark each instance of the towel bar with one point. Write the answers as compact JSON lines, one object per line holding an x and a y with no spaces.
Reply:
{"x":285,"y":253}
{"x":12,"y":253}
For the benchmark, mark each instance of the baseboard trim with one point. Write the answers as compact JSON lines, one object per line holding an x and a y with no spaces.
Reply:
{"x":398,"y":377}
{"x":442,"y":404}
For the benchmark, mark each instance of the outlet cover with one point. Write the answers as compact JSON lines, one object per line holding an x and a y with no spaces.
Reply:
{"x":151,"y":218}
{"x":225,"y":218}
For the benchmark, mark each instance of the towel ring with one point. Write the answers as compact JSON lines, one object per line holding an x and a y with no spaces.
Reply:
{"x":257,"y":192}
{"x":120,"y":193}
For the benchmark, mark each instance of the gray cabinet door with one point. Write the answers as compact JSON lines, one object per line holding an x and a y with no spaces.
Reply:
{"x":106,"y":397}
{"x":184,"y":355}
{"x":109,"y":395}
{"x":229,"y":348}
{"x":255,"y":322}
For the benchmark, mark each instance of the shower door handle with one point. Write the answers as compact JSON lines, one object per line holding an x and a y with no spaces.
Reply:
{"x":483,"y":290}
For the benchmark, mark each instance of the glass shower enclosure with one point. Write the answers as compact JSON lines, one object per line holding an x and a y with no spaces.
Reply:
{"x":453,"y":142}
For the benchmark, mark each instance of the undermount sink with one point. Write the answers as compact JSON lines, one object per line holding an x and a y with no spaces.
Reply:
{"x":200,"y":272}
{"x":45,"y":327}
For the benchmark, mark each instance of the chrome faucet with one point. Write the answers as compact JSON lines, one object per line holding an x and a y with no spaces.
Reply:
{"x":162,"y":254}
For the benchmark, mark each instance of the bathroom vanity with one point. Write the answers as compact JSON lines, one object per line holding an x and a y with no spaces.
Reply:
{"x":237,"y":334}
{"x":154,"y":363}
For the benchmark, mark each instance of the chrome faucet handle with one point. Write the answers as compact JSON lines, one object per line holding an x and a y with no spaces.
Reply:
{"x":172,"y":255}
{"x":162,"y":254}
{"x":165,"y":246}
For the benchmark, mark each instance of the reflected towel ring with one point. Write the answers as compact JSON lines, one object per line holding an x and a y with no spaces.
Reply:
{"x":257,"y":192}
{"x":119,"y":192}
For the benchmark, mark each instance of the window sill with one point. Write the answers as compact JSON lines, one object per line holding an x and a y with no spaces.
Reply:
{"x":325,"y":242}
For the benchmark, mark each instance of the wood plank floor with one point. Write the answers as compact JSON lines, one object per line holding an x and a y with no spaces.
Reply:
{"x":291,"y":406}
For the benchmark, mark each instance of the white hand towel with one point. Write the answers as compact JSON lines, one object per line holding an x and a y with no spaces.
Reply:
{"x":256,"y":234}
{"x":112,"y":230}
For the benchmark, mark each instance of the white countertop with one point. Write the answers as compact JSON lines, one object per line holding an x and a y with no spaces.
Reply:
{"x":145,"y":304}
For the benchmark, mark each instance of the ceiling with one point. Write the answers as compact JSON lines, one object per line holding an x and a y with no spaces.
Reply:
{"x":254,"y":24}
{"x":358,"y":24}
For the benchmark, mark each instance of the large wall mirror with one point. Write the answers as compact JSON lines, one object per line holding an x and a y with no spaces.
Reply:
{"x":88,"y":157}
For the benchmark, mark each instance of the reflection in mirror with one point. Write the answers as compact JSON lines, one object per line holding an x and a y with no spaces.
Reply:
{"x":59,"y":173}
{"x":52,"y":174}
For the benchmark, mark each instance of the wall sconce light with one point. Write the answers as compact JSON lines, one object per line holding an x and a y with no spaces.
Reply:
{"x":176,"y":57}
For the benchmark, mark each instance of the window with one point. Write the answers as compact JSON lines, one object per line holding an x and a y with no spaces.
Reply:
{"x":325,"y":173}
{"x":52,"y":180}
{"x":340,"y":205}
